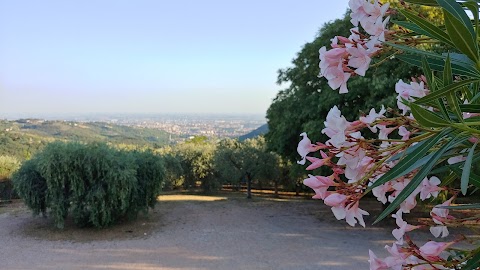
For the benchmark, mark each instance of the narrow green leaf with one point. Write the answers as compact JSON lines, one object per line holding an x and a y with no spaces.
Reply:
{"x":473,"y":7}
{"x":437,"y":64}
{"x":428,"y":28}
{"x":427,"y":118}
{"x":410,"y":159}
{"x":456,"y":11}
{"x":443,"y":92}
{"x":447,"y":72}
{"x":456,"y":59}
{"x":460,"y":206}
{"x":417,"y":179}
{"x":471,"y":108}
{"x":466,"y":170}
{"x":460,"y":36}
{"x":409,"y":150}
{"x":474,"y":179}
{"x":473,"y":262}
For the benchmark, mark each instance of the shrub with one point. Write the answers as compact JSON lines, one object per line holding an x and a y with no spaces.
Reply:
{"x":94,"y":183}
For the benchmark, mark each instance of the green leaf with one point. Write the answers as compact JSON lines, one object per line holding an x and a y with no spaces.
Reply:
{"x":456,"y":11}
{"x":460,"y":206}
{"x":457,"y":59}
{"x":411,"y":26}
{"x":473,"y":262}
{"x":466,"y":170}
{"x":410,"y":159}
{"x":417,"y":179}
{"x":474,"y":179}
{"x":460,"y":37}
{"x":427,"y":118}
{"x":447,"y":72}
{"x":428,"y":28}
{"x":444,"y":91}
{"x":471,"y":108}
{"x":437,"y":64}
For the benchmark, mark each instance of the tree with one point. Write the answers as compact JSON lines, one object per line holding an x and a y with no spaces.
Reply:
{"x":304,"y":104}
{"x":196,"y":159}
{"x":247,"y":161}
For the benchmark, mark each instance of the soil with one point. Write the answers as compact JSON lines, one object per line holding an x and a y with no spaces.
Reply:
{"x":220,"y":231}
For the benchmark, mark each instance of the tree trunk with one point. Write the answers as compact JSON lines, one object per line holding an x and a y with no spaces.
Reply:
{"x":249,"y":187}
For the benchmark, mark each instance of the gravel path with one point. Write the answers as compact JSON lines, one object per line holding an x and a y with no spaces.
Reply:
{"x":197,"y":232}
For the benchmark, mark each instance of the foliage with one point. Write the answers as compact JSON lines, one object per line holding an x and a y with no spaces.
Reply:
{"x":437,"y":122}
{"x":196,"y":159}
{"x":94,"y":183}
{"x":238,"y":161}
{"x":303,"y":105}
{"x":23,"y":138}
{"x":8,"y":165}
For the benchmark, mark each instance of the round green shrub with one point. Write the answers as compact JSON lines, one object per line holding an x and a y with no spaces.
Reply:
{"x":95,"y":184}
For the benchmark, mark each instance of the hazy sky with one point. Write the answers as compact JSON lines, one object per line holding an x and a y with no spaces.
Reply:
{"x":208,"y":56}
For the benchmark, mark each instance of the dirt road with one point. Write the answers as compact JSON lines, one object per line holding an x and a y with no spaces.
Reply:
{"x":196,"y":232}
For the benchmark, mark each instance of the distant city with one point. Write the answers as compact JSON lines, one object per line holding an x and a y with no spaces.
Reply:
{"x":183,"y":126}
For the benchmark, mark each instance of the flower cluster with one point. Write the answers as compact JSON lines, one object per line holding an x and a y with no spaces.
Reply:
{"x":352,"y":55}
{"x":356,"y":161}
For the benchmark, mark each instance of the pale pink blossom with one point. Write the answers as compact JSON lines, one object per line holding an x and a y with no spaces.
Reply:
{"x":398,"y":257}
{"x":376,"y":27}
{"x":372,"y":117}
{"x":318,"y":162}
{"x":432,"y":249}
{"x":403,"y":227}
{"x":456,"y":159}
{"x":354,"y":214}
{"x":376,"y":263}
{"x":337,"y":78}
{"x":305,"y":147}
{"x":319,"y":184}
{"x":402,"y":131}
{"x":429,"y":188}
{"x":439,"y":216}
{"x":380,"y":192}
{"x":384,"y":131}
{"x":359,"y":59}
{"x":335,"y":126}
{"x":408,"y":92}
{"x":337,"y":202}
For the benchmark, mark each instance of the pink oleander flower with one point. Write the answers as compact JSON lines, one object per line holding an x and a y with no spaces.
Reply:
{"x":335,"y":126}
{"x":398,"y":257}
{"x":376,"y":263}
{"x":319,"y":184}
{"x":337,"y":78}
{"x":429,"y":188}
{"x":432,"y":249}
{"x":376,"y":27}
{"x":456,"y":159}
{"x":355,"y":215}
{"x":439,"y":216}
{"x":380,"y":192}
{"x":337,"y":202}
{"x":403,"y":227}
{"x":318,"y":162}
{"x":410,"y":202}
{"x":407,"y":92}
{"x":372,"y":117}
{"x":360,"y":59}
{"x":305,"y":147}
{"x":402,"y":131}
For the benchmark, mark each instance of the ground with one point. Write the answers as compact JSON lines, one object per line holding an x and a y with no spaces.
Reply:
{"x":221,"y":231}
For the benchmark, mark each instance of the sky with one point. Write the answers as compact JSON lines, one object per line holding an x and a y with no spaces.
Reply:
{"x":151,"y":56}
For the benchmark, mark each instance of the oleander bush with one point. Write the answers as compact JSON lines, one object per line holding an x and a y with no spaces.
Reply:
{"x":95,"y":184}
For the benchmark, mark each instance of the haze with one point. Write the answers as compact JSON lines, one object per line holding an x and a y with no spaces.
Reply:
{"x":143,"y":56}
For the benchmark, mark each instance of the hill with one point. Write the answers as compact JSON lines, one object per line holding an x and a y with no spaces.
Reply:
{"x":257,"y":132}
{"x":22,"y":138}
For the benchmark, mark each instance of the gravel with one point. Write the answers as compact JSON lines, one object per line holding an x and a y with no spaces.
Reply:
{"x":225,"y":231}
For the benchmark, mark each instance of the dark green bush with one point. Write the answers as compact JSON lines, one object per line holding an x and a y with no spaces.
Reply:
{"x":93,"y":183}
